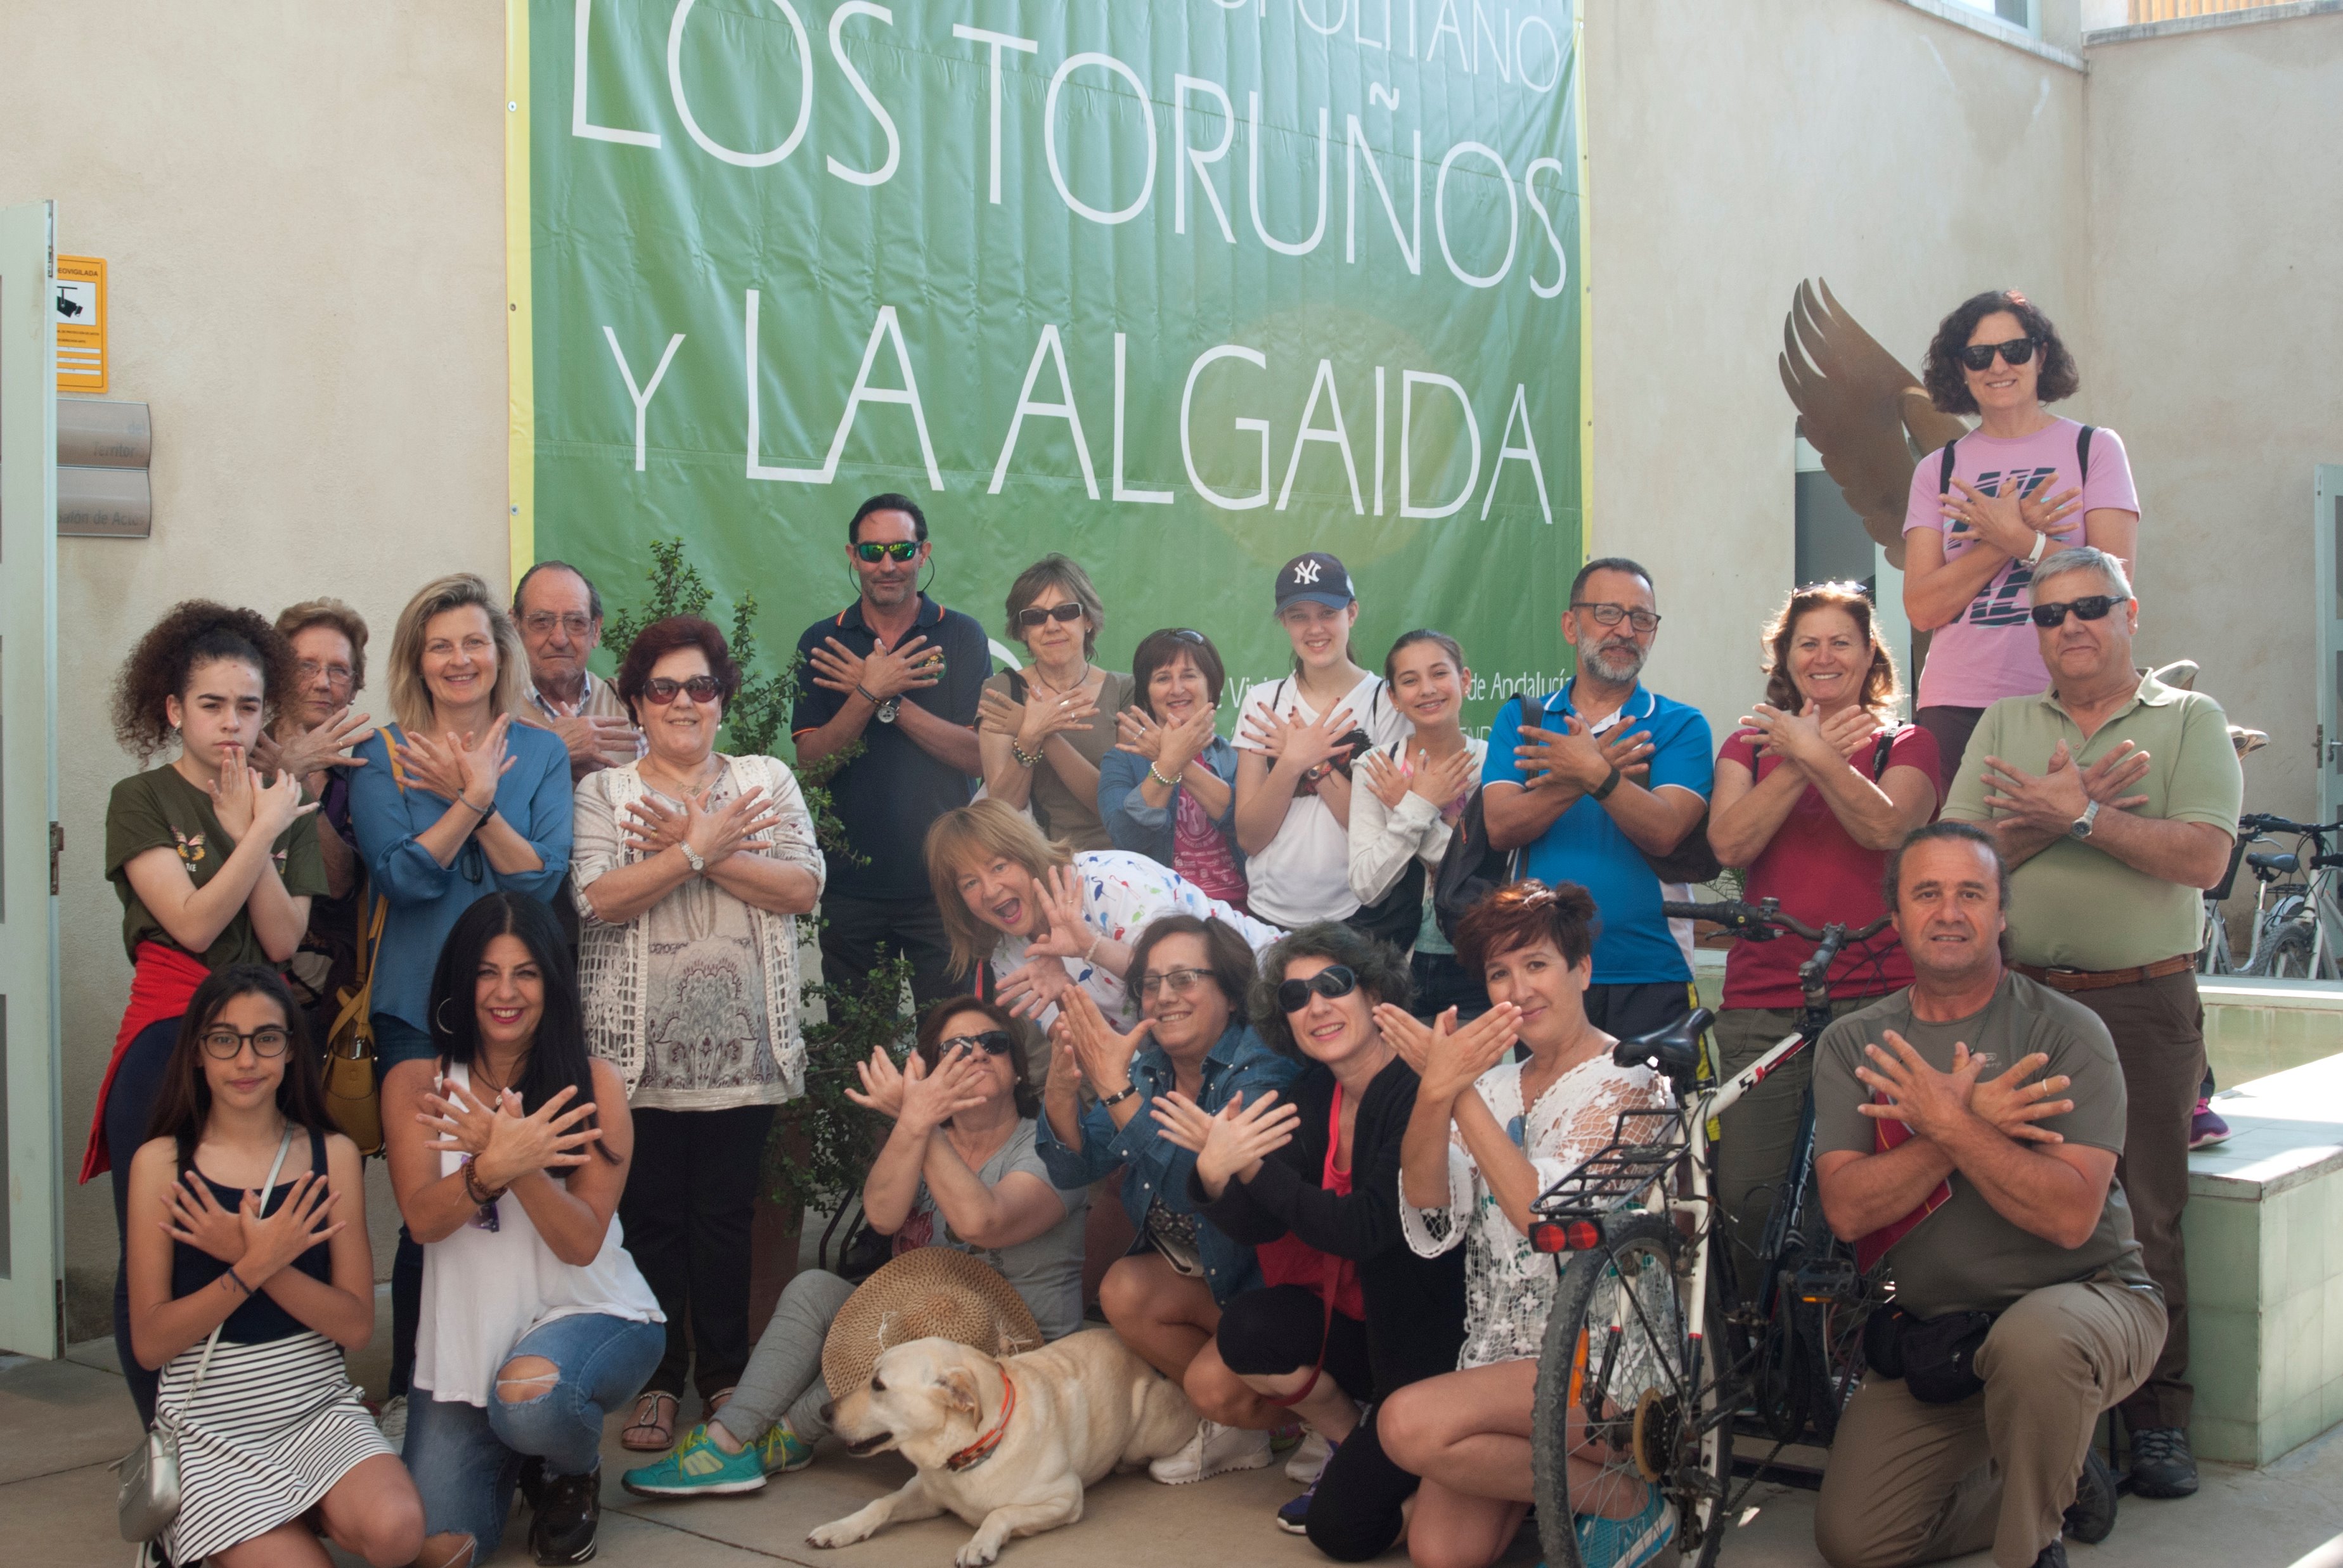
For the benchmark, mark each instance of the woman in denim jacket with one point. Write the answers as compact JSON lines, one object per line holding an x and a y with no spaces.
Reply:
{"x":1167,"y":789}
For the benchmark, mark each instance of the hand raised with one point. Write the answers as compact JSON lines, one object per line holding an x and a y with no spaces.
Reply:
{"x":1035,"y":986}
{"x":1997,"y":520}
{"x":327,"y":746}
{"x":910,"y":665}
{"x":425,"y":766}
{"x":1103,"y":1054}
{"x":1064,"y":934}
{"x":1409,"y":1035}
{"x":1459,"y":1054}
{"x":459,"y":1122}
{"x":275,"y":806}
{"x":1928,"y":1101}
{"x":930,"y":1099}
{"x":2012,"y":1106}
{"x":196,"y":1218}
{"x":1188,"y":739}
{"x":548,"y":1138}
{"x":1446,"y":782}
{"x":653,"y":826}
{"x":2049,"y":801}
{"x":232,"y":791}
{"x":1137,"y":732}
{"x":1382,"y":778}
{"x":300,"y":1222}
{"x":2108,"y":780}
{"x":882,"y":1084}
{"x":481,"y":762}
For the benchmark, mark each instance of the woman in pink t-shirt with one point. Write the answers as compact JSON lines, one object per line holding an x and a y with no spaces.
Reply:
{"x":1811,"y":794}
{"x":2024,"y":483}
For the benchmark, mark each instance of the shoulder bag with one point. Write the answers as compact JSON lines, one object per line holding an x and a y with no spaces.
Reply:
{"x":353,"y":1088}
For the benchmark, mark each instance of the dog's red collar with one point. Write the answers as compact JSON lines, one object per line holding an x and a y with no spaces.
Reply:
{"x":977,"y":1452}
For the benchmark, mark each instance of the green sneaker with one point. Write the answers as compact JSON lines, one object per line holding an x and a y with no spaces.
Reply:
{"x":695,"y":1466}
{"x":784,"y":1450}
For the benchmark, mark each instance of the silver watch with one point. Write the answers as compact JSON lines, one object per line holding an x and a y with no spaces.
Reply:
{"x":2080,"y":827}
{"x":887,"y":710}
{"x":691,"y":858}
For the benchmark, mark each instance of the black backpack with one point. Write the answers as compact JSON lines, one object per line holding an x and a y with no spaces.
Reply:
{"x":2082,"y":460}
{"x":1470,"y":869}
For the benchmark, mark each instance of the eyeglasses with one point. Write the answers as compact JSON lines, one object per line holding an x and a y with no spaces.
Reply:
{"x":699,"y":689}
{"x":1979,"y":355}
{"x":1642,"y":620}
{"x":1034,"y":615}
{"x":993,"y":1043}
{"x":1178,"y":982}
{"x":1333,"y":981}
{"x":543,"y":623}
{"x":309,"y":669}
{"x":222,"y":1043}
{"x":874,"y":553}
{"x":2095,"y":608}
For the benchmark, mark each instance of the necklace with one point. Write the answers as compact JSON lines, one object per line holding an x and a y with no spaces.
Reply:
{"x":1033,"y":678}
{"x":680,"y":787}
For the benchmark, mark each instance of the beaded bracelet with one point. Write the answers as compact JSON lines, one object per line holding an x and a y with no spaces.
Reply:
{"x":1168,"y":783}
{"x":1024,"y":760}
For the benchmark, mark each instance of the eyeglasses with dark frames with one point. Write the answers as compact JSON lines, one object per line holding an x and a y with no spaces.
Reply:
{"x":1035,"y":615}
{"x":268,"y":1041}
{"x":1642,"y":620}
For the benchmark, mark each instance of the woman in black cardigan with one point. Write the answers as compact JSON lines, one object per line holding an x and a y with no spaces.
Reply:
{"x":1312,"y":1182}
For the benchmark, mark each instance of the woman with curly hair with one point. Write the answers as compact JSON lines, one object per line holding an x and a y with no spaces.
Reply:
{"x":214,"y":866}
{"x":692,"y":868}
{"x":1986,"y":507}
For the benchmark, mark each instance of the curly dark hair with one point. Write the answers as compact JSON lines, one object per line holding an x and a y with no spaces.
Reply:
{"x":1949,"y":390}
{"x":661,"y":638}
{"x":1519,"y":914}
{"x":193,"y":633}
{"x":1383,"y":974}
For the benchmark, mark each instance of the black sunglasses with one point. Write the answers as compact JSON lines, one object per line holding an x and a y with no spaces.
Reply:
{"x":1034,"y":615}
{"x":1333,"y":981}
{"x":2095,"y":608}
{"x":874,"y":553}
{"x":1979,"y":355}
{"x":993,"y":1043}
{"x":699,"y":689}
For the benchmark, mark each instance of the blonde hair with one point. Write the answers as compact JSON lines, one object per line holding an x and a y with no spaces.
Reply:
{"x":411,"y":698}
{"x":298,"y":618}
{"x":976,"y":835}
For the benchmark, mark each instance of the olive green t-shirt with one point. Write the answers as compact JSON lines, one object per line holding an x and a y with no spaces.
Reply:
{"x":2077,"y":907}
{"x":159,"y":808}
{"x":1059,"y":810}
{"x":1965,"y":1257}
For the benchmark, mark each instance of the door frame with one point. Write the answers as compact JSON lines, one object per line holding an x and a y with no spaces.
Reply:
{"x":2327,"y":614}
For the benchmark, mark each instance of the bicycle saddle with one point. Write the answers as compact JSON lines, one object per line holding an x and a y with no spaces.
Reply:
{"x":1675,"y":1050}
{"x":2284,"y":864}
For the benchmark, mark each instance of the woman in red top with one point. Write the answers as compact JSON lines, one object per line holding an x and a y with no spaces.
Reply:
{"x":1813,"y":790}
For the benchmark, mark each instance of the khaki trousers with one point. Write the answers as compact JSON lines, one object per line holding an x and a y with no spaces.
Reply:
{"x":1909,"y":1483}
{"x":2159,"y":1032}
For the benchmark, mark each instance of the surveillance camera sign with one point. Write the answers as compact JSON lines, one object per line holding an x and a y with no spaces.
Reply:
{"x":79,"y":311}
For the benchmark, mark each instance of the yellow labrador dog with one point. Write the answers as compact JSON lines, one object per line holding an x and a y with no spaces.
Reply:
{"x":1007,"y":1445}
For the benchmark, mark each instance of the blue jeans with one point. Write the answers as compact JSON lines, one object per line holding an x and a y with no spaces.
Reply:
{"x":466,"y":1460}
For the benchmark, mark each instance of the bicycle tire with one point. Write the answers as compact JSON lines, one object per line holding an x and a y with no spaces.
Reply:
{"x":1831,"y":1334}
{"x":1695,"y":1480}
{"x":2288,"y":946}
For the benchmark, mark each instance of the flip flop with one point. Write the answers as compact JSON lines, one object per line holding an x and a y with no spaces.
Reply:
{"x":652,"y":1430}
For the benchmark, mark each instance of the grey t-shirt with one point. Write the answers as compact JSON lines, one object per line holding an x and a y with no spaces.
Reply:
{"x":1048,"y":1270}
{"x":1965,"y":1257}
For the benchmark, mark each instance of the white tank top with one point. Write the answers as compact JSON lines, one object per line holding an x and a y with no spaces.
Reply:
{"x":483,"y":1288}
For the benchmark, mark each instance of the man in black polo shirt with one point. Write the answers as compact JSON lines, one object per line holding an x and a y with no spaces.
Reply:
{"x":899,"y":673}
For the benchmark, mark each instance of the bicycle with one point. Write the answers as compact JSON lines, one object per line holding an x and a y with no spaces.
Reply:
{"x":1630,"y":1386}
{"x":2299,"y":934}
{"x":2214,"y":954}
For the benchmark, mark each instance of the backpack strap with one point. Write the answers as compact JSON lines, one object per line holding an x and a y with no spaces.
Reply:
{"x":1944,"y":479}
{"x":2083,"y":454}
{"x":1882,"y":746}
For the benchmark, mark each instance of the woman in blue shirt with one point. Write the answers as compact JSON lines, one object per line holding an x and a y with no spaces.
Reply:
{"x":1167,"y":789}
{"x":454,"y":802}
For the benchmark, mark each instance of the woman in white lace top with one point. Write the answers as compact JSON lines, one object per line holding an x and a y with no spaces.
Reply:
{"x":1488,"y":1134}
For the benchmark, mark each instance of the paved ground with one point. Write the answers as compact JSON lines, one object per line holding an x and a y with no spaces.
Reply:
{"x":63,"y":1423}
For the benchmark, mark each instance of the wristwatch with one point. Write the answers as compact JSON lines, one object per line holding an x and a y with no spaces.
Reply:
{"x":1128,"y":1091}
{"x":887,"y":710}
{"x":691,"y":857}
{"x":2041,"y":543}
{"x":2080,"y":827}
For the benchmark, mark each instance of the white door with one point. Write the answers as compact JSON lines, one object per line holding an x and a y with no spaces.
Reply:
{"x":2326,"y":529}
{"x":30,"y":1308}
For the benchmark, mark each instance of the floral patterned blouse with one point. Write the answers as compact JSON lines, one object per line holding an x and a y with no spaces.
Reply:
{"x":1122,"y":893}
{"x":1508,"y":1287}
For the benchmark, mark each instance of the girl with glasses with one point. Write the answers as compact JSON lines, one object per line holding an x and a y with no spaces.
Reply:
{"x":508,"y":1149}
{"x":216,"y":865}
{"x":249,"y":1276}
{"x":1044,"y":920}
{"x":1348,"y":1312}
{"x":1986,"y":510}
{"x":958,"y":1169}
{"x":453,"y":801}
{"x":1045,"y":730}
{"x":1167,"y":789}
{"x":692,"y":868}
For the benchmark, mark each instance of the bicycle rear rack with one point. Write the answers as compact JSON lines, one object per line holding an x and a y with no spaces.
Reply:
{"x":1644,"y":1146}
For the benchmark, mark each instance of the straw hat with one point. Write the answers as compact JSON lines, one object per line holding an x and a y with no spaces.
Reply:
{"x":938,"y":1292}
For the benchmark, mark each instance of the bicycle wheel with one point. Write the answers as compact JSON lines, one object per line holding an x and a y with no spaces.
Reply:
{"x":2290,"y":953}
{"x":1834,"y":1301}
{"x":1625,"y":1398}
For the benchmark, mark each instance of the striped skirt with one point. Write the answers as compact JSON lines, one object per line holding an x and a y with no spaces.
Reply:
{"x":273,"y":1427}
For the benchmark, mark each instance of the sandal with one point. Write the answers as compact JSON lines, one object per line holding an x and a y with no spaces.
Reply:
{"x":717,"y":1401}
{"x":652,"y":1430}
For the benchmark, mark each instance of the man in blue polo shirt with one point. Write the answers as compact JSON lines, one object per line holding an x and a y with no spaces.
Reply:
{"x":899,"y":673}
{"x":1607,"y":772}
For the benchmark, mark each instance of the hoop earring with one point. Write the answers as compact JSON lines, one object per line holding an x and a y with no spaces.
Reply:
{"x":439,"y":1022}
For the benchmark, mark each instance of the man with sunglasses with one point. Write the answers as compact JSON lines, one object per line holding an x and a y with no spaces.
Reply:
{"x":900,"y":674}
{"x":1602,"y":775}
{"x":2115,"y":799}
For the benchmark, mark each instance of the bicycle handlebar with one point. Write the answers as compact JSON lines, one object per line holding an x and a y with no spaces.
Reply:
{"x":1764,"y":921}
{"x":2258,"y":822}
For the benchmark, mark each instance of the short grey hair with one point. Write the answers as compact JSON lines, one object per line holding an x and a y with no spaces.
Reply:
{"x":2085,"y":558}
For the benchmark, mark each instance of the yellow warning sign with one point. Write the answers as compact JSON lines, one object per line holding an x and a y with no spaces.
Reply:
{"x":81,"y":309}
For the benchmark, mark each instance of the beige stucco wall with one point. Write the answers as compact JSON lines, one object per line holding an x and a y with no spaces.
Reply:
{"x":2217,"y":263}
{"x":1737,"y":149}
{"x":301,"y":209}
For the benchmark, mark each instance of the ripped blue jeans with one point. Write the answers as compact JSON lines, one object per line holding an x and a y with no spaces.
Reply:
{"x":466,"y":1460}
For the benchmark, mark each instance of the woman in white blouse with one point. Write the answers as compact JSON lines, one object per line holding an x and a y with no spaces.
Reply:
{"x":1042,"y":918}
{"x":1489,"y":1133}
{"x":691,"y":868}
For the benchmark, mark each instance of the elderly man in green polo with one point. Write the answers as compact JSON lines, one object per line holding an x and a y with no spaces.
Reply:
{"x":2116,"y":799}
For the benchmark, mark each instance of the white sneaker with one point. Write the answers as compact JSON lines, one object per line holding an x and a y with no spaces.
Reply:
{"x":1213,"y":1450}
{"x":1309,"y":1457}
{"x":393,"y":1423}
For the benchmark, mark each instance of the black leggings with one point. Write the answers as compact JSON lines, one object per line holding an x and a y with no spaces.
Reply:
{"x":1355,"y":1512}
{"x":129,"y":1106}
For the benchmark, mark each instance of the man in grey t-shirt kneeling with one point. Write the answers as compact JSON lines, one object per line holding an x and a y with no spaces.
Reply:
{"x":1967,"y":1129}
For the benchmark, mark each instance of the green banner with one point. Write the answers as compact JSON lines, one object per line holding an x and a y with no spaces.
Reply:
{"x":1182,"y":288}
